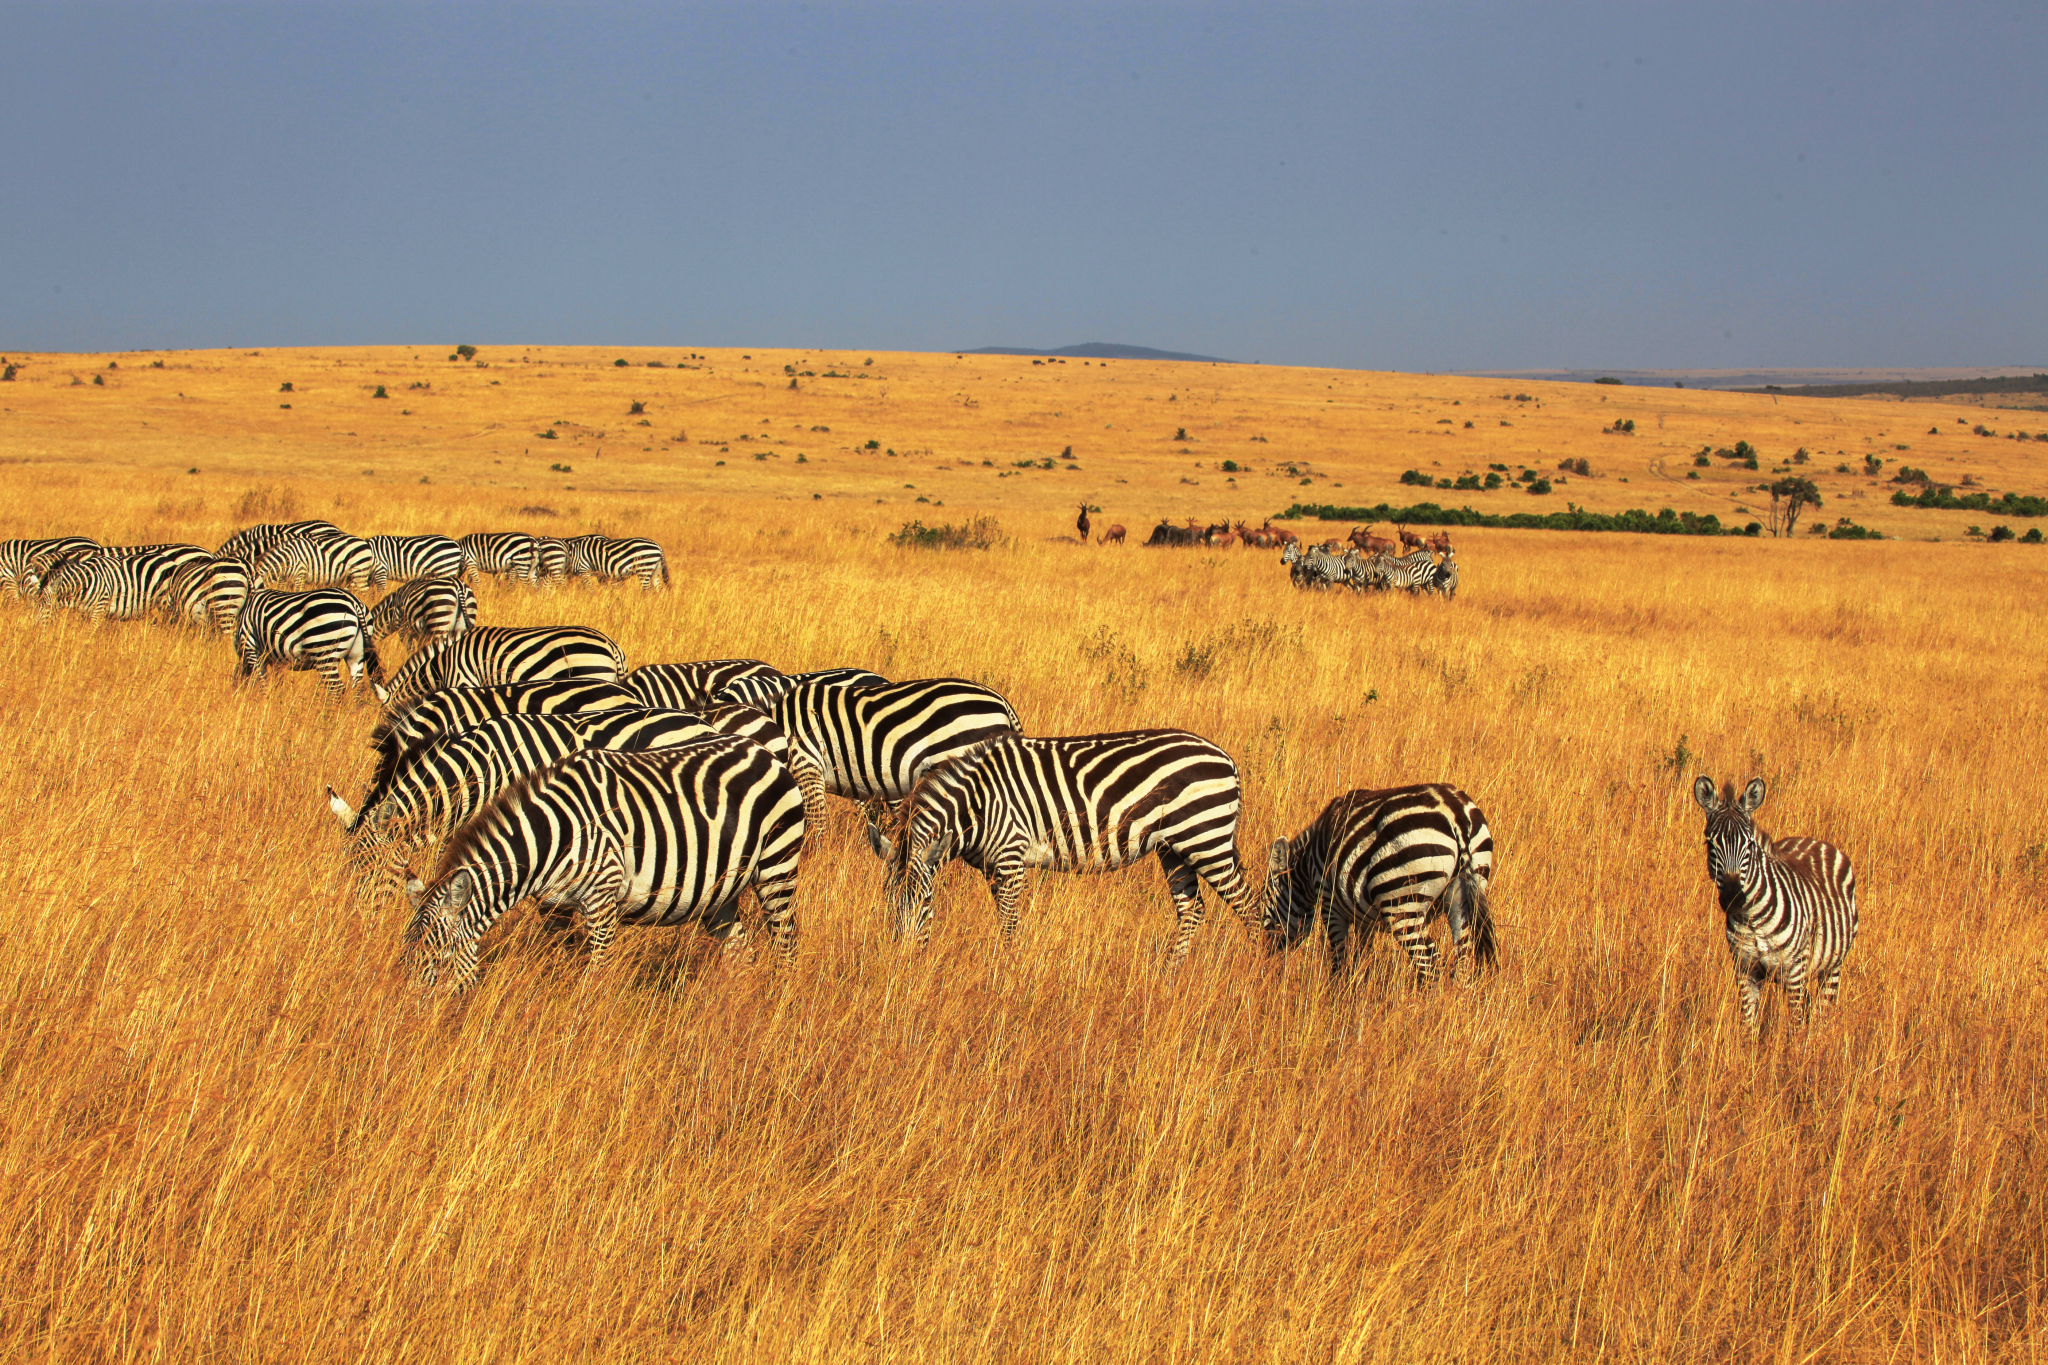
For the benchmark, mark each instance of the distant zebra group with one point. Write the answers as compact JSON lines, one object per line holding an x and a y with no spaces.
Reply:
{"x":546,"y":769}
{"x":1326,"y":565}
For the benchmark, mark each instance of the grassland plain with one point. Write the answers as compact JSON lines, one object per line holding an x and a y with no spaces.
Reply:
{"x":230,"y":1129}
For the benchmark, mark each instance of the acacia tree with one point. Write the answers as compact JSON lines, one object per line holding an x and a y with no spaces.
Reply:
{"x":1789,"y":497}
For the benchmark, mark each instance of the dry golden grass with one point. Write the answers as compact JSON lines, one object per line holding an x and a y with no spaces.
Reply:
{"x":229,"y":1128}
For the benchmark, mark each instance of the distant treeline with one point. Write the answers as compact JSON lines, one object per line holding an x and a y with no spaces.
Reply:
{"x":1664,"y":523}
{"x":1913,"y":388}
{"x":1947,"y":500}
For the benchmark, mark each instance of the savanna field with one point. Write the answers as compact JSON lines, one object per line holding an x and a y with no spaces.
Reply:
{"x":232,"y":1128}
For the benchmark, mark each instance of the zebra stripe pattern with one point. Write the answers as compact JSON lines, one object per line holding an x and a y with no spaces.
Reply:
{"x":207,"y":593}
{"x":425,"y":610}
{"x":1412,"y":572}
{"x":408,"y":557}
{"x":23,"y":562}
{"x":1392,"y":859}
{"x":683,"y":686}
{"x":1789,"y":904}
{"x":550,"y":561}
{"x":419,"y":722}
{"x":762,"y":689}
{"x":1445,"y":579}
{"x":251,"y":543}
{"x":486,"y":656}
{"x":120,"y":583}
{"x":1083,"y":803}
{"x":504,"y":554}
{"x":876,"y":741}
{"x":321,"y":561}
{"x":1314,"y":567}
{"x":323,"y":629}
{"x":671,"y":836}
{"x":613,"y":560}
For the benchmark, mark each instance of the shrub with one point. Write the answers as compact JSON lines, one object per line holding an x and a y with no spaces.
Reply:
{"x":1701,"y":461}
{"x":2032,"y":537}
{"x":620,"y":363}
{"x":1799,"y":456}
{"x":1540,"y":486}
{"x":7,"y":375}
{"x":1181,"y":434}
{"x":380,"y":392}
{"x":1418,"y":478}
{"x":2002,"y":533}
{"x":1845,"y":529}
{"x":872,"y":445}
{"x":637,"y":408}
{"x":547,"y":435}
{"x":1229,"y":466}
{"x":1580,"y":467}
{"x":981,"y":533}
{"x":1607,"y":379}
{"x":561,"y":469}
{"x":101,"y":380}
{"x":1492,"y":482}
{"x":464,"y":352}
{"x":285,"y":387}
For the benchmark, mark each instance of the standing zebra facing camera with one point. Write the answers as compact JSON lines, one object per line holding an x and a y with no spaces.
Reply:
{"x":663,"y":836}
{"x":322,"y":629}
{"x":1392,"y":859}
{"x":1080,"y":803}
{"x":1789,"y":904}
{"x":425,"y":610}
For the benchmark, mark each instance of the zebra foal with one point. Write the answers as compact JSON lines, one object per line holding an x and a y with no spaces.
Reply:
{"x":1082,"y":803}
{"x":665,"y":836}
{"x":1789,"y":904}
{"x":1392,"y":859}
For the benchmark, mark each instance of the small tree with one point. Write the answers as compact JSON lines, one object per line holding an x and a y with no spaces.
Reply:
{"x":1789,"y":497}
{"x":466,"y":351}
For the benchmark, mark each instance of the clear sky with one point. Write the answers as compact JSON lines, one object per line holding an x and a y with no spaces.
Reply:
{"x":1414,"y":187}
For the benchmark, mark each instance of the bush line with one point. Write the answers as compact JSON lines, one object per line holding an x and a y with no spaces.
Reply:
{"x":1663,"y":523}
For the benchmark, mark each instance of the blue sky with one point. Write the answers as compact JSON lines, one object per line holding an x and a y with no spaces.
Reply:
{"x":1426,"y":187}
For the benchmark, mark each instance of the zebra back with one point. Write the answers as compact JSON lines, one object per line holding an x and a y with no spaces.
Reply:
{"x":321,"y":560}
{"x":670,"y":836}
{"x":877,"y":740}
{"x":694,"y":684}
{"x":761,"y":689}
{"x":207,"y":593}
{"x":503,"y":553}
{"x":409,"y":557}
{"x":320,"y":628}
{"x":426,"y":609}
{"x":251,"y":543}
{"x":23,"y":562}
{"x":486,"y":656}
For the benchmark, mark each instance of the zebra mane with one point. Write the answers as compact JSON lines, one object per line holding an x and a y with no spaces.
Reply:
{"x":954,"y":771}
{"x":470,"y":837}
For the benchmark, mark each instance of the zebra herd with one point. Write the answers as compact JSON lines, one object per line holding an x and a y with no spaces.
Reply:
{"x":1323,"y":566}
{"x":546,"y":769}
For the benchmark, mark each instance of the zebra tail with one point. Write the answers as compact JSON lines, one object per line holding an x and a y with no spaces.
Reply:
{"x":1468,"y":904}
{"x":372,"y":665}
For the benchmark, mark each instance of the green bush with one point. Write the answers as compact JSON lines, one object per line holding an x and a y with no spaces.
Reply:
{"x":982,"y":533}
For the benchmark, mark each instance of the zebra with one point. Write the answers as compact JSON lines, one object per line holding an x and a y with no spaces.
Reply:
{"x":121,"y":583}
{"x":1363,"y":571}
{"x":436,"y":787}
{"x":407,"y":557}
{"x":22,"y":562}
{"x":322,"y":561}
{"x":1390,"y":859}
{"x":419,"y":722}
{"x":668,"y":836}
{"x":484,"y":656}
{"x":1080,"y":803}
{"x":1445,"y":579}
{"x":207,"y":592}
{"x":1314,"y":567}
{"x":321,"y":628}
{"x":693,"y":684}
{"x":761,"y":689}
{"x":501,"y":553}
{"x":1412,"y":572}
{"x":251,"y":543}
{"x":1789,"y":904}
{"x":551,"y":561}
{"x":876,"y":741}
{"x":610,"y":560}
{"x":426,"y":609}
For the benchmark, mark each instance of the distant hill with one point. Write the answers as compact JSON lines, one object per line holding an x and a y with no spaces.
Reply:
{"x":1844,"y":381}
{"x":2033,"y":385}
{"x":1099,"y":350}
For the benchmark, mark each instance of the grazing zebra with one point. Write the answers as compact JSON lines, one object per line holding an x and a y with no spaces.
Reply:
{"x":207,"y":593}
{"x":505,"y":554}
{"x":322,"y":628}
{"x":612,"y":560}
{"x":251,"y":543}
{"x":551,"y":561}
{"x":322,"y":561}
{"x":1083,"y":803}
{"x":121,"y":583}
{"x":1412,"y":572}
{"x":693,"y":684}
{"x":876,"y":741}
{"x":668,"y":836}
{"x":484,"y":656}
{"x":761,"y":689}
{"x":1389,"y":859}
{"x":1790,"y":904}
{"x":419,"y":722}
{"x":407,"y":557}
{"x":22,"y":562}
{"x":426,"y":609}
{"x":436,"y":787}
{"x":1314,"y":567}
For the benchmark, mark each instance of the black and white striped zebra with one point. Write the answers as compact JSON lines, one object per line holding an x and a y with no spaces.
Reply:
{"x":408,"y":557}
{"x":693,"y":684}
{"x":668,"y":836}
{"x":1789,"y":905}
{"x":335,"y":560}
{"x":251,"y":543}
{"x":502,"y":554}
{"x":486,"y":656}
{"x":115,"y":582}
{"x":876,"y":741}
{"x":1445,"y":578}
{"x":1314,"y":567}
{"x":612,"y":560}
{"x":207,"y":593}
{"x":1412,"y":572}
{"x":761,"y":689}
{"x":23,"y":562}
{"x":323,"y":629}
{"x":1079,"y":803}
{"x":1393,"y":859}
{"x":551,"y":561}
{"x":424,"y":610}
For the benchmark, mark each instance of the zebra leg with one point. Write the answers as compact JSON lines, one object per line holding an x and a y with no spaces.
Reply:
{"x":1795,"y":990}
{"x":1337,"y":935}
{"x":1006,"y":884}
{"x":1409,"y":921}
{"x":600,"y":899}
{"x":1831,"y":985}
{"x":1749,"y":981}
{"x":1186,"y":889}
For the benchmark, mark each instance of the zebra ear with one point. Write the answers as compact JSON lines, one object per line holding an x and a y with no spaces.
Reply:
{"x":939,"y":850}
{"x":414,"y":887}
{"x":878,"y":841}
{"x":383,"y":692}
{"x":1703,"y":792}
{"x":1752,"y":795}
{"x":342,"y":810}
{"x":1280,"y":859}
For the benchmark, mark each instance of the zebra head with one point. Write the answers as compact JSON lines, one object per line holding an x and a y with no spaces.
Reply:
{"x":1733,"y":844}
{"x":1287,"y":902}
{"x":1291,"y":553}
{"x":437,"y":940}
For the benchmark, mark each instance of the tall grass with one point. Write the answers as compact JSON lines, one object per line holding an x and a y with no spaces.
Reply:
{"x":231,"y":1128}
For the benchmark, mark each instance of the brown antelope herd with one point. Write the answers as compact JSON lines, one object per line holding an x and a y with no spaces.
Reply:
{"x":1223,"y":535}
